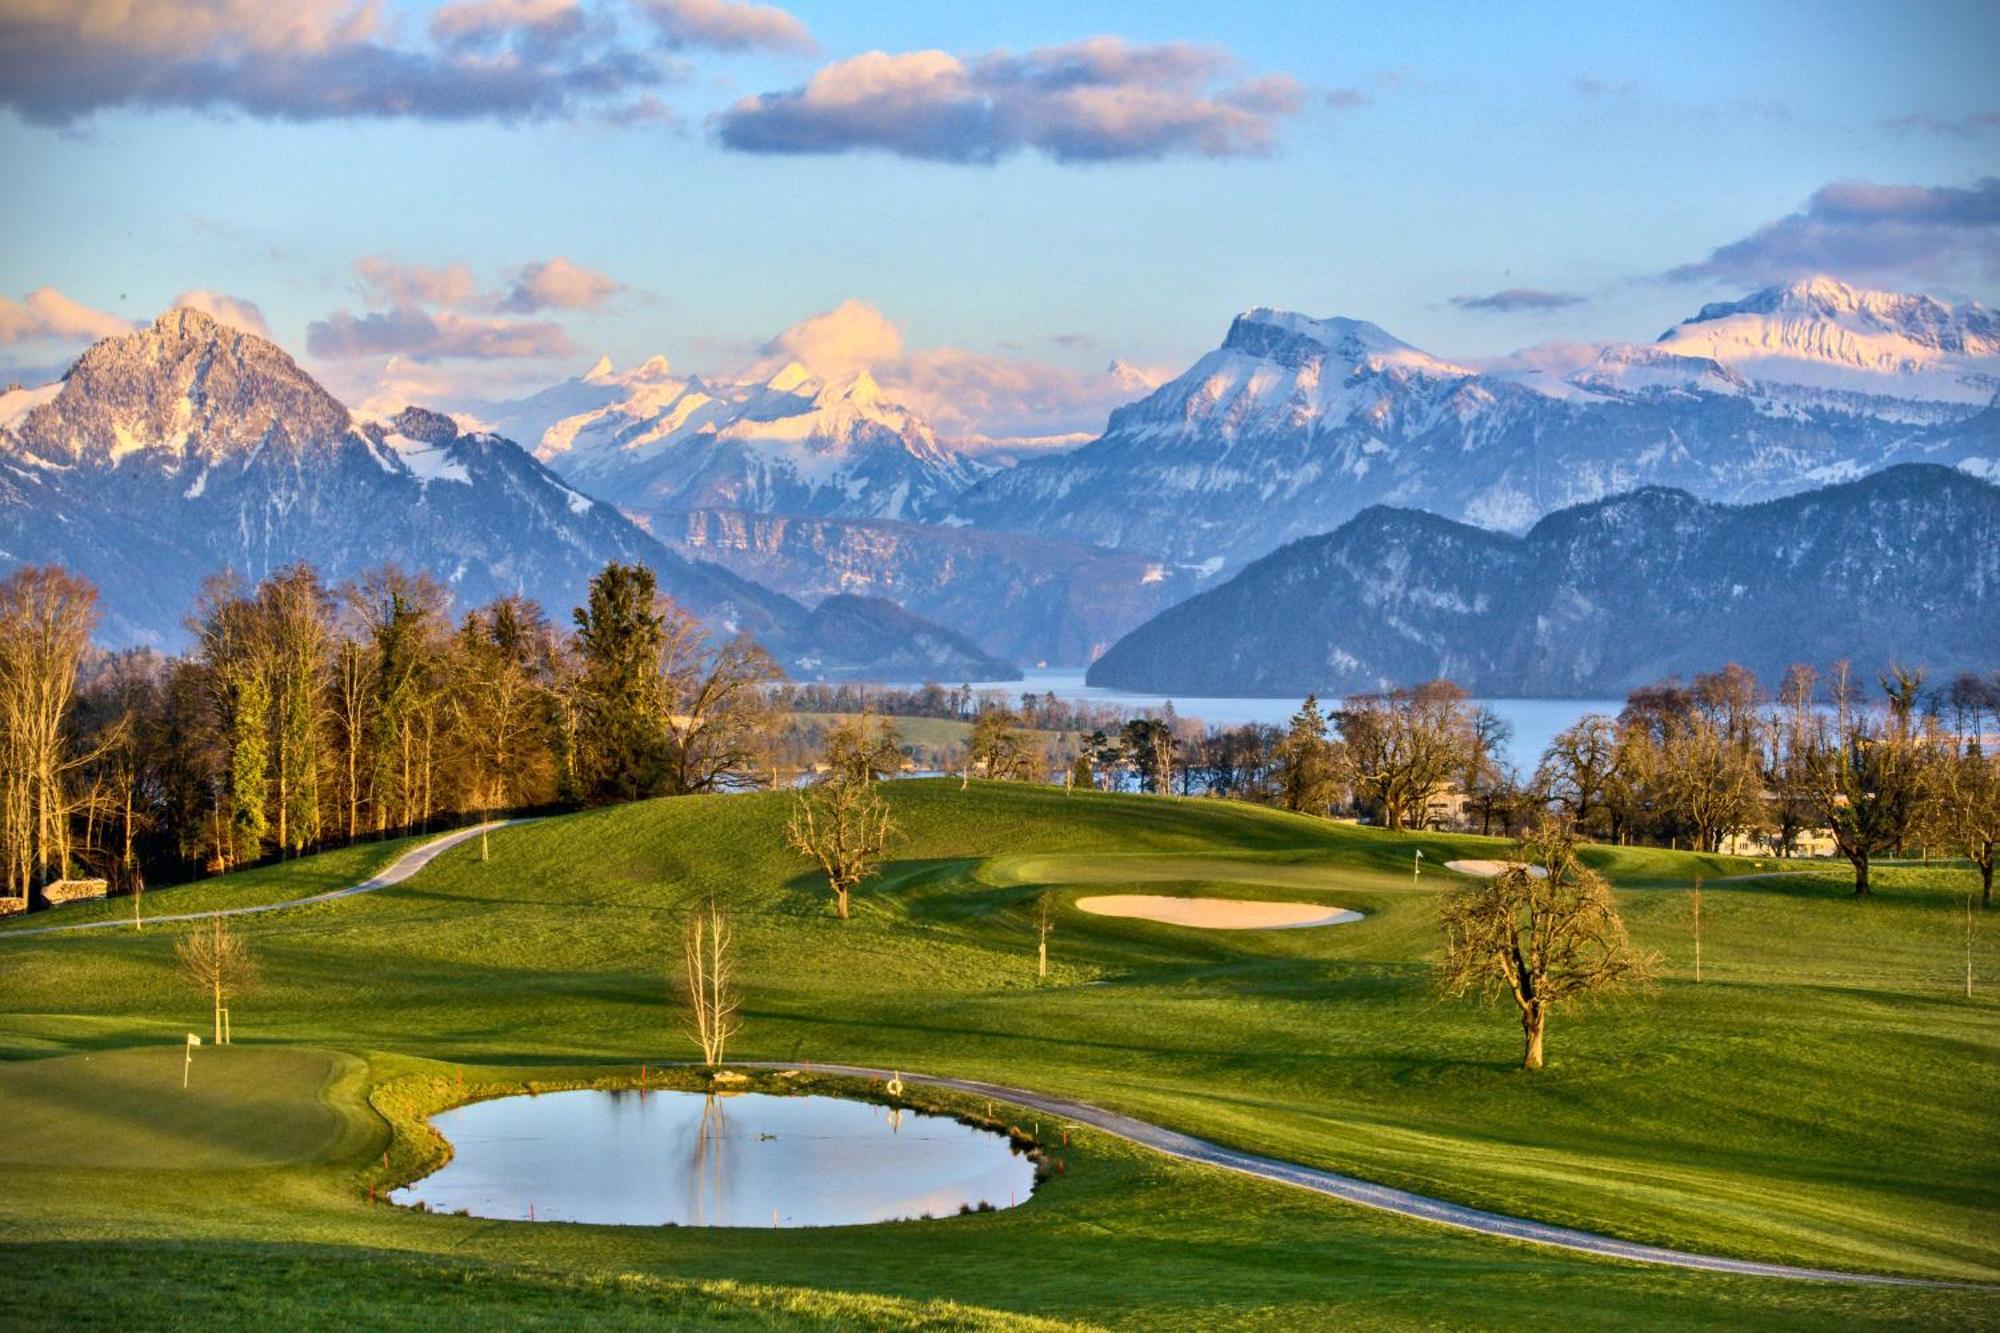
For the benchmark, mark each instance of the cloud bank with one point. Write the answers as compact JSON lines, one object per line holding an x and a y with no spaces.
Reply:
{"x":1103,"y":99}
{"x":45,"y":314}
{"x":304,"y":60}
{"x":1516,"y":299}
{"x":430,"y":312}
{"x":1867,"y":232}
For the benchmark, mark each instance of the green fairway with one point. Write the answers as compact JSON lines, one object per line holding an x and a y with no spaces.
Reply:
{"x":1825,"y":1095}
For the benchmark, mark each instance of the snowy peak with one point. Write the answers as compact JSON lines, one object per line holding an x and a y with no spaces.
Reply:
{"x":1824,"y":334}
{"x":186,"y":387}
{"x":792,"y":441}
{"x":1294,"y":341}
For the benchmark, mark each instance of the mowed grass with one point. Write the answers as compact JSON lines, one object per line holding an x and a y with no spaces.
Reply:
{"x":1825,"y":1095}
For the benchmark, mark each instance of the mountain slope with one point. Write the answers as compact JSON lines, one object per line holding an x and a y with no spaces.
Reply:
{"x":1031,"y":600}
{"x":189,"y":447}
{"x":1294,"y":425}
{"x":1900,"y":566}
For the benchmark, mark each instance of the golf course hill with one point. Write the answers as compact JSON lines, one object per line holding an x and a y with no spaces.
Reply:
{"x":1822,"y":1096}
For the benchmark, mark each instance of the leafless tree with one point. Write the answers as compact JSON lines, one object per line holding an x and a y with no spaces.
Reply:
{"x":1402,"y":748}
{"x":1045,"y":926}
{"x":708,"y":981}
{"x":216,"y":961}
{"x":1963,"y":809}
{"x":843,"y":827}
{"x":46,"y":617}
{"x":1866,"y":777}
{"x":1001,"y":750}
{"x":1710,"y":781}
{"x":1544,"y":940}
{"x":1579,"y":766}
{"x":719,"y":715}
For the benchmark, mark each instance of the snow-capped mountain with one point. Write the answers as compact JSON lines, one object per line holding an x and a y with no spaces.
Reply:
{"x":189,"y":447}
{"x":792,"y":443}
{"x":1294,"y":425}
{"x":1823,"y":334}
{"x":1899,"y":567}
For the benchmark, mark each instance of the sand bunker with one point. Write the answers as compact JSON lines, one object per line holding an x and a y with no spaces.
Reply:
{"x":1216,"y":913}
{"x":1488,"y":869}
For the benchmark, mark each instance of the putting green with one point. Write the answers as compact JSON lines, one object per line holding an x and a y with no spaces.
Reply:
{"x":244,"y":1106}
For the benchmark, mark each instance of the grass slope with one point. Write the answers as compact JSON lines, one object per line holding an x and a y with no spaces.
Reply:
{"x":1824,"y":1096}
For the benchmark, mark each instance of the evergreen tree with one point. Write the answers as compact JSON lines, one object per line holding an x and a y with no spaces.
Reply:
{"x":621,"y":738}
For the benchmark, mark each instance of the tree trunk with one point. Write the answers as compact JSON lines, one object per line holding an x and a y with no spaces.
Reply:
{"x":1986,"y":881}
{"x":218,"y":1010}
{"x":1860,"y":875}
{"x":840,"y":903}
{"x":1042,"y":960}
{"x":1533,"y":1020}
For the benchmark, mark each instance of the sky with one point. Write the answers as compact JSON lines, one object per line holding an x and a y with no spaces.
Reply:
{"x":986,"y":204}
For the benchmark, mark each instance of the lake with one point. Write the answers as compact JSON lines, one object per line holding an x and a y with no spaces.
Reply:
{"x":695,"y":1159}
{"x":1535,"y":721}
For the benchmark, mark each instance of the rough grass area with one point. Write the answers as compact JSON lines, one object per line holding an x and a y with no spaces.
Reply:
{"x":1824,"y":1096}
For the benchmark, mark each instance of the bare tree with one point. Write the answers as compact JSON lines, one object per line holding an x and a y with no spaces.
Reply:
{"x":1712,"y":782}
{"x":217,"y":961}
{"x":1045,"y":926}
{"x":719,"y":715}
{"x":708,"y":982}
{"x":1001,"y":750}
{"x":1544,"y":939}
{"x":1579,"y":767}
{"x":1964,"y":809}
{"x":843,"y":827}
{"x":1866,"y":779}
{"x":1402,"y":748}
{"x":46,"y":617}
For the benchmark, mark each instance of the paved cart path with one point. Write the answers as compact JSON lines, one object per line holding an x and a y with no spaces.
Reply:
{"x":398,"y":870}
{"x":1383,"y":1197}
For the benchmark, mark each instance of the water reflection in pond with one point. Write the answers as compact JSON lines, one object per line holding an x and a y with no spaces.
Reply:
{"x":703,"y":1160}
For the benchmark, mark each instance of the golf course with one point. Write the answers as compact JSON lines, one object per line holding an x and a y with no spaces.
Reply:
{"x":1825,"y":1095}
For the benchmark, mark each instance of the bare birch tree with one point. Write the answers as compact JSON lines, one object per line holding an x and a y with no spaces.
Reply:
{"x":708,"y":981}
{"x":216,"y":961}
{"x":46,"y":617}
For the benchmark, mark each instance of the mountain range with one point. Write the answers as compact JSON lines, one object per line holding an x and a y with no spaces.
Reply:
{"x":824,"y":484}
{"x":190,"y":447}
{"x":1900,"y":566}
{"x":1294,"y":425}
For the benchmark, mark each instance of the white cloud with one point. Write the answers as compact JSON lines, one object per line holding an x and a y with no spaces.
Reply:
{"x":729,"y":25}
{"x":46,"y":314}
{"x":1100,"y":99}
{"x":231,"y":310}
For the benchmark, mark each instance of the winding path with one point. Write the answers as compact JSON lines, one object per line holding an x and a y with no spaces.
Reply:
{"x":398,"y":870}
{"x":1382,"y":1197}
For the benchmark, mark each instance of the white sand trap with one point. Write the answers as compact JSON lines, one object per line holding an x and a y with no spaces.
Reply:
{"x":1488,"y":869}
{"x":1216,"y":913}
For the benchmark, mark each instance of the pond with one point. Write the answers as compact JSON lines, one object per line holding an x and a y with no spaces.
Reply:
{"x":706,"y":1160}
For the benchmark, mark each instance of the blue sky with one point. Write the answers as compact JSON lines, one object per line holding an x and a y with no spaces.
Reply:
{"x":1413,"y":155}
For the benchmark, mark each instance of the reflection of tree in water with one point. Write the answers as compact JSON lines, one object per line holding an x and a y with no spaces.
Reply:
{"x":705,"y":1165}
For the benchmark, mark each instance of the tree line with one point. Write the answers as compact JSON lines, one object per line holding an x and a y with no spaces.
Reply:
{"x":305,"y":715}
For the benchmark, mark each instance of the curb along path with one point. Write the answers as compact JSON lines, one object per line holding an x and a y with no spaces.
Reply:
{"x":398,"y":870}
{"x":1382,"y":1197}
